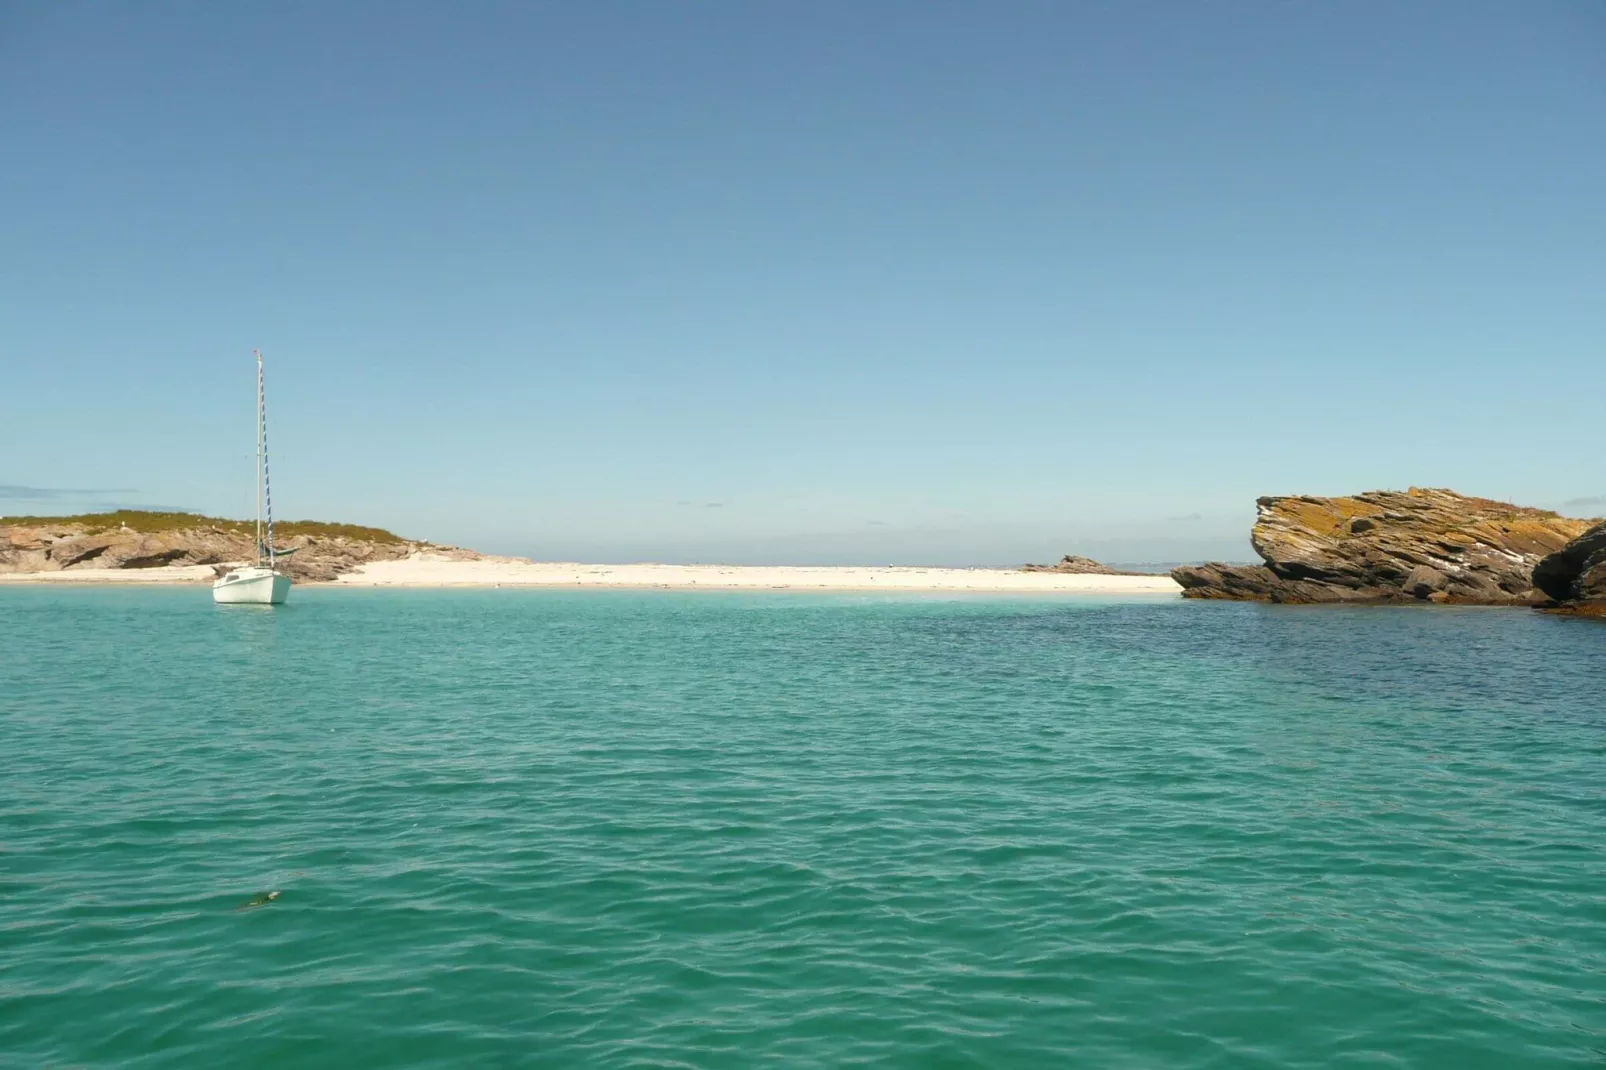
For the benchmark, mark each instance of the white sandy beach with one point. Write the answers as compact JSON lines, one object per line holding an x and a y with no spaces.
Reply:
{"x":430,"y":571}
{"x":426,"y":570}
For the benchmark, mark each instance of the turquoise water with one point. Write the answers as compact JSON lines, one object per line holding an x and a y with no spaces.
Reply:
{"x":726,"y":830}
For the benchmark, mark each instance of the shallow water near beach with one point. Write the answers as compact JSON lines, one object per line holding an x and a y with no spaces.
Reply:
{"x":622,"y":828}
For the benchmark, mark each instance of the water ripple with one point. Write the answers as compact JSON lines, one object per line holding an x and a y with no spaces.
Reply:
{"x":725,"y":829}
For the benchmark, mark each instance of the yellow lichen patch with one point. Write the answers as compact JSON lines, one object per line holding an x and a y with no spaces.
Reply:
{"x":1328,"y":517}
{"x":1532,"y":534}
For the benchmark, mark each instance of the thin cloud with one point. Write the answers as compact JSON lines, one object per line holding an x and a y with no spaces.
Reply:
{"x":1585,"y":503}
{"x":12,"y":492}
{"x":1186,"y":518}
{"x":141,"y":507}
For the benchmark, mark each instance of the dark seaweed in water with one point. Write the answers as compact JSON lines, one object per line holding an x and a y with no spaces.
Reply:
{"x":259,"y":900}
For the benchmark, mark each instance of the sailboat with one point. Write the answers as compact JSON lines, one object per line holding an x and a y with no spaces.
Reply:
{"x":261,"y":584}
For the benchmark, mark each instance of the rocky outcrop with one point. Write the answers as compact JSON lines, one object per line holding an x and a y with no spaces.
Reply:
{"x":1575,"y":575}
{"x":323,"y":551}
{"x":1077,"y":565}
{"x":1389,"y":546}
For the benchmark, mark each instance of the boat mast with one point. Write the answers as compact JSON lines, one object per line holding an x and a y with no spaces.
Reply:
{"x":262,"y":449}
{"x":260,"y":444}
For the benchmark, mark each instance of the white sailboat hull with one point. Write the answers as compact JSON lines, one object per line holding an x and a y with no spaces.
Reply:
{"x":252,"y":586}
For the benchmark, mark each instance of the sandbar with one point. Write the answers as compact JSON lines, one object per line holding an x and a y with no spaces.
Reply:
{"x":429,"y":570}
{"x":425,"y":570}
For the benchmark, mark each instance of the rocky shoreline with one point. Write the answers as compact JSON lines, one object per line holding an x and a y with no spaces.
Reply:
{"x":139,"y":541}
{"x":1419,"y":545}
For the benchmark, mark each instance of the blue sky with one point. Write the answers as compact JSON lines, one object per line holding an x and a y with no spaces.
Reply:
{"x":951,"y":283}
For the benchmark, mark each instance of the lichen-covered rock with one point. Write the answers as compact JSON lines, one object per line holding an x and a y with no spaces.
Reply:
{"x":1576,"y":574}
{"x":1381,"y":546}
